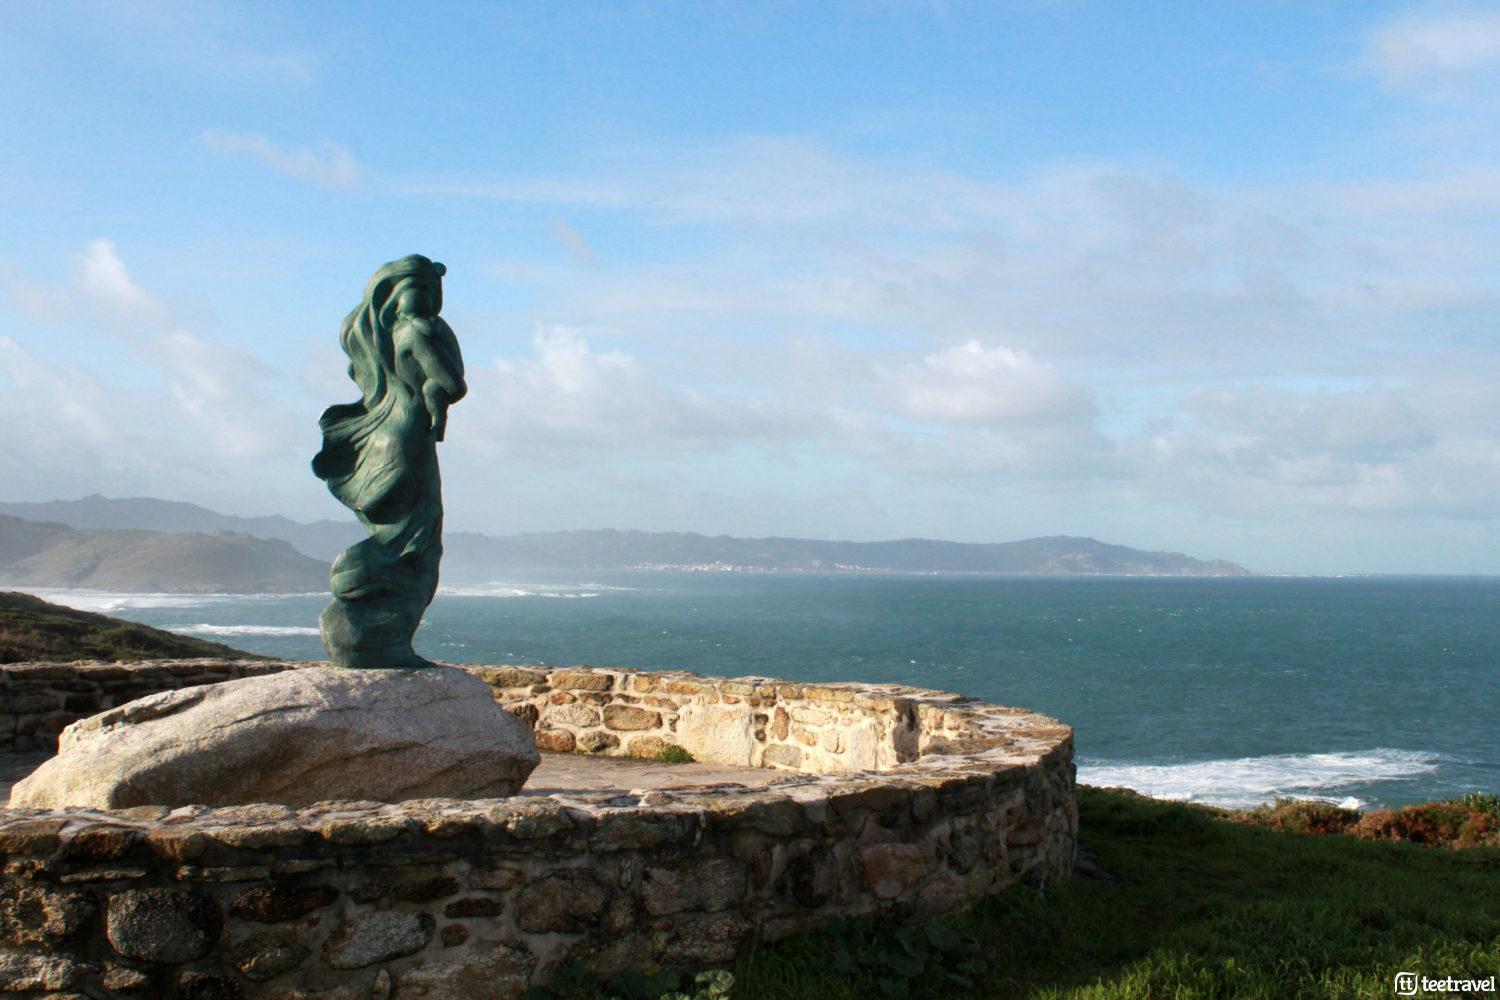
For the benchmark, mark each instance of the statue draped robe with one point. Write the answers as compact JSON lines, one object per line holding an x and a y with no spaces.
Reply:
{"x":379,"y":458}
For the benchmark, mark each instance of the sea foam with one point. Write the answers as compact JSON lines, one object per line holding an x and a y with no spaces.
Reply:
{"x":562,"y":590}
{"x":205,"y":629}
{"x":107,"y":602}
{"x":1244,"y":782}
{"x":110,"y":601}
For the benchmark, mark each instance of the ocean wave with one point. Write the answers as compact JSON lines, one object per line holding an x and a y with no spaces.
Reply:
{"x":243,"y":629}
{"x":1244,"y":782}
{"x":109,"y":601}
{"x":564,"y":590}
{"x":105,"y":602}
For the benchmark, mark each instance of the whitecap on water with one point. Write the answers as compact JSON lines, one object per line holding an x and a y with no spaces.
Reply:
{"x":109,"y":601}
{"x":564,"y":590}
{"x":205,"y":629}
{"x":1244,"y":782}
{"x":106,"y":602}
{"x":485,"y":591}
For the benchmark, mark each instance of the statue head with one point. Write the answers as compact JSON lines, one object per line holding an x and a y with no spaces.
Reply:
{"x":412,"y":285}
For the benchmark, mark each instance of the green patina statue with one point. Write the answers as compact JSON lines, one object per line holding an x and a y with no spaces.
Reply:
{"x":379,"y":458}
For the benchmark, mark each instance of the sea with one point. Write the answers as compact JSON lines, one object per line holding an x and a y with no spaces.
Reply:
{"x":1363,"y":691}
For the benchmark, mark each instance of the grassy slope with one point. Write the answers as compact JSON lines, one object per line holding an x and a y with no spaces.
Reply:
{"x":33,"y":629}
{"x":1204,"y":908}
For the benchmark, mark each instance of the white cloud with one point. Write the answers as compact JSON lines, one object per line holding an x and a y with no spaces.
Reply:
{"x":222,"y":390}
{"x":566,"y":394}
{"x":948,"y":326}
{"x":47,"y":406}
{"x":573,"y":191}
{"x":1371,"y":425}
{"x":207,"y":49}
{"x":70,"y":431}
{"x":1466,"y":189}
{"x":1093,"y":267}
{"x":34,"y":300}
{"x":1124,"y":277}
{"x":1105,"y":258}
{"x":221,"y":393}
{"x":1021,"y":419}
{"x":568,"y":386}
{"x":1441,"y":45}
{"x":1428,"y":449}
{"x":758,"y":180}
{"x":969,"y":383}
{"x":330,"y":165}
{"x":105,"y":282}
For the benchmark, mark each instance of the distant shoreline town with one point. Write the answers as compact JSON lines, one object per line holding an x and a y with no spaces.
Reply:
{"x":722,"y":567}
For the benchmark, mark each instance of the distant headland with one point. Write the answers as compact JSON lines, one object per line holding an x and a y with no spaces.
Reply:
{"x":146,"y":544}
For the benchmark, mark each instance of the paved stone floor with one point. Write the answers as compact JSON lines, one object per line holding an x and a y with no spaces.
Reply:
{"x":568,"y":772}
{"x":557,"y":773}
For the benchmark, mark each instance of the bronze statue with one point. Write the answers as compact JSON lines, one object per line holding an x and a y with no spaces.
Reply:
{"x":379,"y":458}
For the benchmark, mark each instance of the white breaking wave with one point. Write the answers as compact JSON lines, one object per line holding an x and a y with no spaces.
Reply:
{"x":105,"y":602}
{"x":243,"y":629}
{"x":530,"y":590}
{"x":1244,"y":782}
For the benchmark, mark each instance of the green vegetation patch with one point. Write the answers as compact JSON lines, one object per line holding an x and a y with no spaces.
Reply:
{"x":1472,"y":821}
{"x":34,"y":629}
{"x":1183,"y":902}
{"x":673,"y":754}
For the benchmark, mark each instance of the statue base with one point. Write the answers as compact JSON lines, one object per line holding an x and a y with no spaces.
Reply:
{"x":372,"y":634}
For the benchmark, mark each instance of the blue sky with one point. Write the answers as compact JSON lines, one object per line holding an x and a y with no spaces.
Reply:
{"x":1219,"y":278}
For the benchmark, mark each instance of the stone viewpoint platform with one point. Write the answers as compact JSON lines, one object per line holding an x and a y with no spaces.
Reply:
{"x":811,"y":802}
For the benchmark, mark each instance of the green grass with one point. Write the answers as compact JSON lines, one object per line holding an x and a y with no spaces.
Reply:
{"x":673,"y":754}
{"x":1204,"y":907}
{"x":34,"y":629}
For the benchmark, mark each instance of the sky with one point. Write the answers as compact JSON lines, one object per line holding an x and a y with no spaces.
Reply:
{"x":1219,"y":278}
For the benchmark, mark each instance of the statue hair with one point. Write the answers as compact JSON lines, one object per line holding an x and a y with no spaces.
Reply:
{"x":365,"y":334}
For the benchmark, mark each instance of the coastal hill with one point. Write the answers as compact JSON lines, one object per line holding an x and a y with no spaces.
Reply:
{"x":608,"y":549}
{"x":320,"y":539}
{"x":474,"y":557}
{"x":34,"y":629}
{"x":47,"y":554}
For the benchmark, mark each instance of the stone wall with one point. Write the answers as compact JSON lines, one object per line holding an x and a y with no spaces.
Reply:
{"x":750,"y":722}
{"x":37,"y":700}
{"x":474,"y":899}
